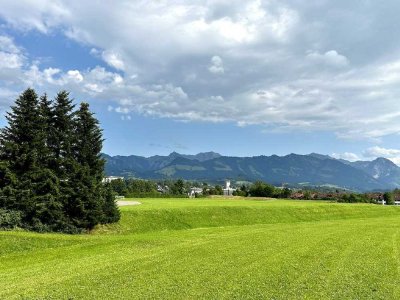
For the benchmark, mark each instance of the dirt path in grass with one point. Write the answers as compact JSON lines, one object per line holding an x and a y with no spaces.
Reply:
{"x":127,"y":203}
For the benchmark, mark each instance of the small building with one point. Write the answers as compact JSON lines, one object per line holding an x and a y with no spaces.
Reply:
{"x":162,"y":189}
{"x":195,"y":190}
{"x":108,"y":179}
{"x":228,"y":191}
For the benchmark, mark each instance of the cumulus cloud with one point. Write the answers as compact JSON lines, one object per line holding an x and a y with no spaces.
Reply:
{"x":346,"y":156}
{"x":216,"y":66}
{"x":11,"y":56}
{"x":379,"y":151}
{"x":75,"y":75}
{"x":330,"y":58}
{"x":292,"y":65}
{"x":113,"y":59}
{"x":376,"y":151}
{"x":371,"y":154}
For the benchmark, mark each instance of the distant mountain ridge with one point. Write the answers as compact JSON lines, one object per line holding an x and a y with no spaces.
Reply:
{"x":312,"y":169}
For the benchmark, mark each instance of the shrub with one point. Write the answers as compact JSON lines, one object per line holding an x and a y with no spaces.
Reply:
{"x":389,"y":198}
{"x":10,"y":219}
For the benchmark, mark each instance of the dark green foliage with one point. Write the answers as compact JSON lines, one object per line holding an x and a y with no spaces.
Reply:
{"x":138,"y":186}
{"x":10,"y":219}
{"x":31,"y":187}
{"x":261,"y":189}
{"x":85,"y":204}
{"x":46,"y":120}
{"x":178,"y":188}
{"x":20,"y":141}
{"x":50,"y":166}
{"x":88,"y":142}
{"x":119,"y":186}
{"x":61,"y":137}
{"x":110,"y":209}
{"x":7,"y":178}
{"x":218,"y":190}
{"x":286,"y":192}
{"x":307,"y":195}
{"x":355,"y":198}
{"x":389,"y":198}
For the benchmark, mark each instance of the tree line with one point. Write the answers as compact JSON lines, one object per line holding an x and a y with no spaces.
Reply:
{"x":262,"y":189}
{"x":51,"y":170}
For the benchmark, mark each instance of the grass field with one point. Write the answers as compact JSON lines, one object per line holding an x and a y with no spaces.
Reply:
{"x":214,"y":248}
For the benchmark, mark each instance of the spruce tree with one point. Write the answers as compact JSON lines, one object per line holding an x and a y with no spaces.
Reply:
{"x":61,"y":135}
{"x":22,"y":143}
{"x":19,"y":142}
{"x":110,"y":209}
{"x":20,"y":138}
{"x":51,"y":169}
{"x":31,"y":188}
{"x":46,"y":123}
{"x":89,"y":205}
{"x":60,"y":141}
{"x":51,"y":208}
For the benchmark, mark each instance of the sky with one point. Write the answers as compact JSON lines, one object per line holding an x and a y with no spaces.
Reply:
{"x":241,"y":78}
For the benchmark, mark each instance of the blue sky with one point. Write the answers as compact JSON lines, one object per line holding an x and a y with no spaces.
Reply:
{"x":241,"y":78}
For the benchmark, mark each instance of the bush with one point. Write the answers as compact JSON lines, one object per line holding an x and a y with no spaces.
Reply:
{"x":261,"y":189}
{"x":389,"y":198}
{"x":10,"y":219}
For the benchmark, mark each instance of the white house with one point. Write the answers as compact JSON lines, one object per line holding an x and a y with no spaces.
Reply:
{"x":195,"y":190}
{"x":108,"y":179}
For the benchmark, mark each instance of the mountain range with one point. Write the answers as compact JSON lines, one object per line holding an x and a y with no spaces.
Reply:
{"x":293,"y":169}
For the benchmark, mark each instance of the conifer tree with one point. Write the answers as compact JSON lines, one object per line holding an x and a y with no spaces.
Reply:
{"x":60,"y":142}
{"x":46,"y":120}
{"x":51,"y":169}
{"x":35,"y":186}
{"x":19,"y":142}
{"x":61,"y":135}
{"x":20,"y":138}
{"x":110,"y":209}
{"x":89,"y":202}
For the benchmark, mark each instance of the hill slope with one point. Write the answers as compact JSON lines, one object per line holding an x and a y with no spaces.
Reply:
{"x":168,"y":249}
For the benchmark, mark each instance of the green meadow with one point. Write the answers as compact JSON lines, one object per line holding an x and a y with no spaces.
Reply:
{"x":213,"y":249}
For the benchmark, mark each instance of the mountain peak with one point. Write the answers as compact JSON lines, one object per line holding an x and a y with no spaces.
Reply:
{"x":202,"y":156}
{"x":174,"y":154}
{"x":319,"y":156}
{"x":384,"y":160}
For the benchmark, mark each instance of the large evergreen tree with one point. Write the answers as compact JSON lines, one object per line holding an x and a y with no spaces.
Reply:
{"x":23,"y":145}
{"x":90,"y":205}
{"x":85,"y":205}
{"x":50,"y":165}
{"x":46,"y":123}
{"x":62,"y":135}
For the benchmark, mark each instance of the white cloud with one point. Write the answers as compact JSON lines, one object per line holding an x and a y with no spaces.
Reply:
{"x":93,"y":88}
{"x":10,"y":61}
{"x":376,"y":151}
{"x":346,"y":156}
{"x":113,"y":59}
{"x":122,"y":110}
{"x":330,"y":58}
{"x":381,"y":152}
{"x":75,"y":75}
{"x":164,"y":56}
{"x":11,"y":56}
{"x":216,"y":66}
{"x":41,"y":15}
{"x":7,"y":45}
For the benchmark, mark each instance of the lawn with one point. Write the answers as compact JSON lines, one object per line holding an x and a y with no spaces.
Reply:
{"x":213,"y":249}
